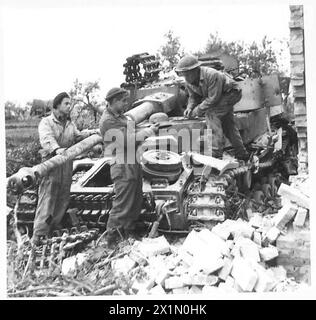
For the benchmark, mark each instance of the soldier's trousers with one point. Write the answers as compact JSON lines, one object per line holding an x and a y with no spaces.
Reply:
{"x":127,"y":204}
{"x":53,"y":199}
{"x":220,"y":120}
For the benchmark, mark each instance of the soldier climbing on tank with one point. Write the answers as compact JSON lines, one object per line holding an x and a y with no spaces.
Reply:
{"x":56,"y":133}
{"x":213,"y":94}
{"x":126,"y":172}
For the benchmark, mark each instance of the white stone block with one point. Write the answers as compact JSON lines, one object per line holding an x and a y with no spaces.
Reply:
{"x":245,"y":276}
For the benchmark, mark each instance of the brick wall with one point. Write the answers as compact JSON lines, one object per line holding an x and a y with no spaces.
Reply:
{"x":298,"y":81}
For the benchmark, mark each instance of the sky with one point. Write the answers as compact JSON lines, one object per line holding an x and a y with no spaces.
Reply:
{"x":45,"y":49}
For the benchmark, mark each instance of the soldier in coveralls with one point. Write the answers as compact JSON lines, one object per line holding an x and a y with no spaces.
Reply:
{"x":56,"y":133}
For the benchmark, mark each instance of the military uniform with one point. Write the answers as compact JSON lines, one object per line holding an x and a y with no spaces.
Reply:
{"x":54,"y":189}
{"x":215,"y":96}
{"x":126,"y":172}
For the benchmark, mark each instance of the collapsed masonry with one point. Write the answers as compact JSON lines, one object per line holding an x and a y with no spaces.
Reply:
{"x":298,"y":82}
{"x":267,"y":253}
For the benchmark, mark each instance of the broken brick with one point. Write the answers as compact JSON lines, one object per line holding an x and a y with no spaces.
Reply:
{"x":293,"y":194}
{"x":157,"y":290}
{"x":257,"y":238}
{"x":271,"y":236}
{"x":284,"y":215}
{"x":221,"y":231}
{"x":245,"y":276}
{"x":143,"y":285}
{"x":153,"y":246}
{"x":226,"y":270}
{"x":256,"y":220}
{"x":249,"y":250}
{"x":123,"y":265}
{"x":265,"y":282}
{"x":269,"y":253}
{"x":174,"y":282}
{"x":183,"y":290}
{"x":195,"y":290}
{"x":300,"y":217}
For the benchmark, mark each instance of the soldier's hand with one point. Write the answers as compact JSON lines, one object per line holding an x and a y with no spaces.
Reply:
{"x":60,"y":150}
{"x":187,"y":112}
{"x":155,"y":127}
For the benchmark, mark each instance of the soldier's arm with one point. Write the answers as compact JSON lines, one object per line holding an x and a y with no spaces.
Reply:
{"x":193,"y":100}
{"x":80,"y":135}
{"x":215,"y":88}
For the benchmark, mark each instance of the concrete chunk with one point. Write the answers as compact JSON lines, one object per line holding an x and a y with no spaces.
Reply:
{"x":294,"y":194}
{"x":249,"y":250}
{"x":256,"y":220}
{"x":143,"y":285}
{"x":244,"y":275}
{"x":284,"y":215}
{"x":226,"y":270}
{"x":269,"y":253}
{"x":300,"y":217}
{"x":150,"y":247}
{"x":271,"y":236}
{"x":195,"y":290}
{"x":265,"y":282}
{"x":123,"y":265}
{"x":242,"y":229}
{"x":183,"y":290}
{"x":221,"y":231}
{"x":257,"y":239}
{"x":208,"y":265}
{"x":204,"y":242}
{"x":209,"y":290}
{"x":174,"y":282}
{"x":223,"y":287}
{"x":157,"y":290}
{"x":71,"y":264}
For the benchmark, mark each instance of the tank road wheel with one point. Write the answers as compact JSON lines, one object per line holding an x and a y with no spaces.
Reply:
{"x":162,"y":160}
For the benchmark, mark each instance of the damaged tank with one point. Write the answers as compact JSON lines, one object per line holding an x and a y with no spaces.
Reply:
{"x":183,"y":185}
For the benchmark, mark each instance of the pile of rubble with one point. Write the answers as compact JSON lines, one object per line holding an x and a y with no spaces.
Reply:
{"x":234,"y":256}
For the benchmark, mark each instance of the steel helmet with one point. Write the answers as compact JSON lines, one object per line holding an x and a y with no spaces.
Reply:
{"x":187,"y":63}
{"x":114,"y":92}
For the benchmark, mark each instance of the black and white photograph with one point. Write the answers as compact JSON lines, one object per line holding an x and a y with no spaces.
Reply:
{"x":157,"y":150}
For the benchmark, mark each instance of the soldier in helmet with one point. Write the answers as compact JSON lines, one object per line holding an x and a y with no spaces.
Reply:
{"x":213,"y":94}
{"x":126,"y":172}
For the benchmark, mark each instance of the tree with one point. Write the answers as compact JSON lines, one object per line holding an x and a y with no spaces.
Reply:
{"x":254,"y":59}
{"x":84,"y":96}
{"x":171,"y":52}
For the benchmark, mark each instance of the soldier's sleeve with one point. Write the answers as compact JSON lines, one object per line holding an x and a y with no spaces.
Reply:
{"x":193,"y":98}
{"x":47,"y":137}
{"x":214,"y":92}
{"x":80,"y":135}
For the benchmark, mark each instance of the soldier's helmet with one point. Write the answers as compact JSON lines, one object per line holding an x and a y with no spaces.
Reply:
{"x":187,"y":63}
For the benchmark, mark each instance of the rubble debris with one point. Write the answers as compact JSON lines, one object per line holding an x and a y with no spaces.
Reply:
{"x":152,"y":246}
{"x":284,"y":215}
{"x":290,"y":193}
{"x":226,"y":269}
{"x":268,"y":253}
{"x":70,"y":265}
{"x":123,"y":265}
{"x":231,"y":257}
{"x":244,"y":275}
{"x":300,"y":218}
{"x":157,"y":290}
